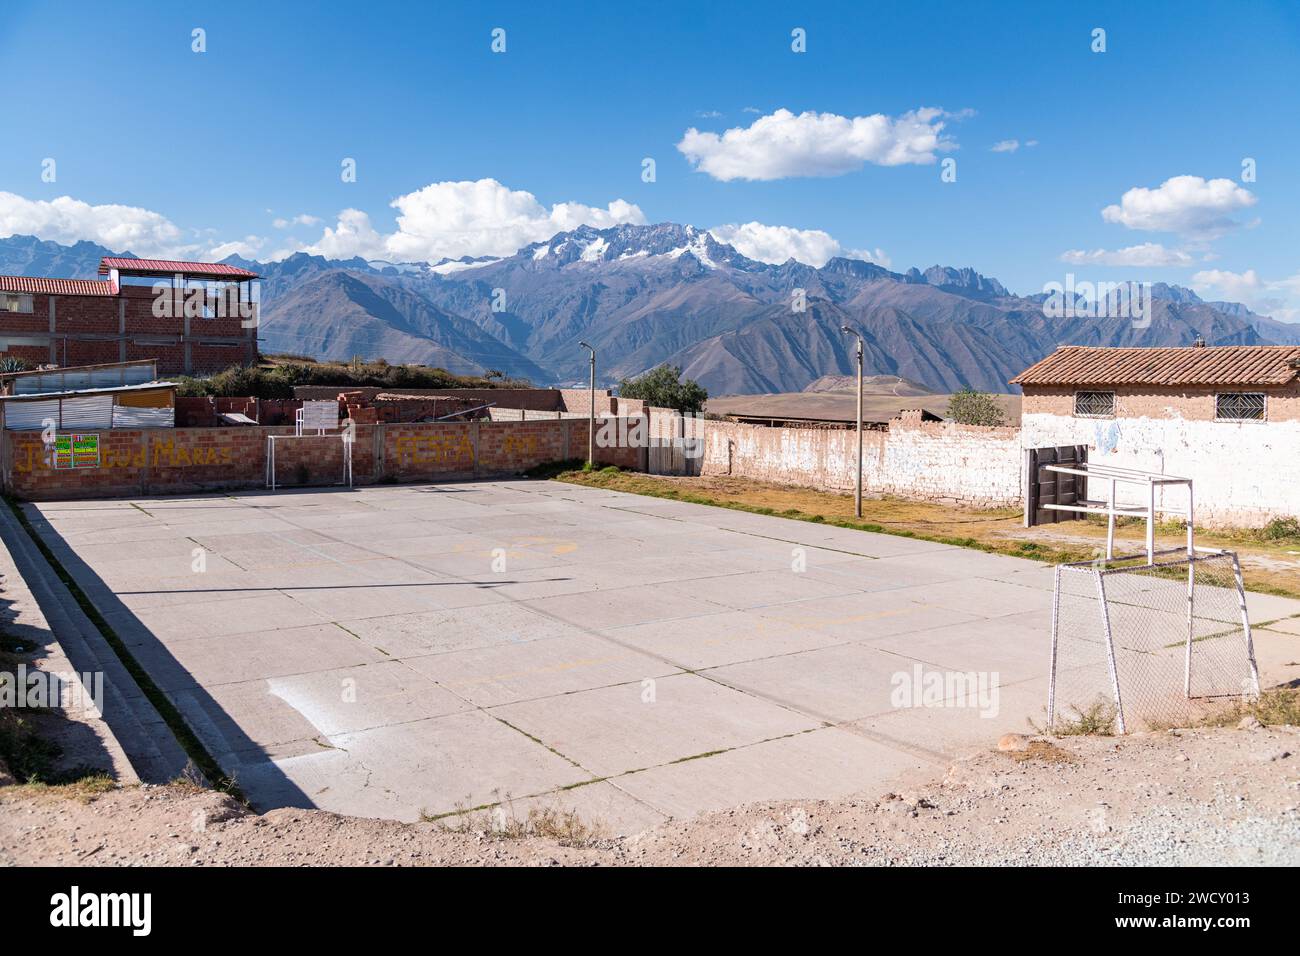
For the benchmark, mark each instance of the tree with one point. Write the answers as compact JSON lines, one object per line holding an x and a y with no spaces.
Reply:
{"x":969,"y":407}
{"x":663,"y":387}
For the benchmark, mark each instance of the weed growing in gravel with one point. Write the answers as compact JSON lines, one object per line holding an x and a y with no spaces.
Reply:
{"x":1278,"y":706}
{"x":500,"y":822}
{"x":1097,"y":720}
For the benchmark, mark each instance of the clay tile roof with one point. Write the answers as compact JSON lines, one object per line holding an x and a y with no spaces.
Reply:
{"x":1189,"y":365}
{"x":42,"y":286}
{"x":156,"y":266}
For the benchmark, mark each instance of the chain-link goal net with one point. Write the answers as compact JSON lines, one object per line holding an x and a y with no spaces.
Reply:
{"x":1143,"y":645}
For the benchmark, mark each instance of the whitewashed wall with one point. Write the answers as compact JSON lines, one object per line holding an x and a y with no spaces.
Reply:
{"x":926,"y":461}
{"x":1243,"y":473}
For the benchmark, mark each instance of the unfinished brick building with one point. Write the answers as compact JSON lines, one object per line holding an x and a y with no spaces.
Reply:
{"x":192,"y":317}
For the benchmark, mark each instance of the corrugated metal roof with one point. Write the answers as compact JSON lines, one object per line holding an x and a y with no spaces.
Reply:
{"x":38,"y":396}
{"x":43,"y":286}
{"x":215,"y":270}
{"x":1191,"y":365}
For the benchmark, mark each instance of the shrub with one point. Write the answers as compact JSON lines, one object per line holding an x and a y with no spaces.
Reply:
{"x":969,"y":407}
{"x":1281,"y":528}
{"x":663,"y":387}
{"x":278,"y":381}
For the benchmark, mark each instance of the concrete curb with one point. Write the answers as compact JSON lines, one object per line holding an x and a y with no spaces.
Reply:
{"x":136,"y":726}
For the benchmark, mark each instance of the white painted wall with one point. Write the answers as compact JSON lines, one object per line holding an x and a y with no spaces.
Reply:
{"x":1243,"y":473}
{"x":931,"y":461}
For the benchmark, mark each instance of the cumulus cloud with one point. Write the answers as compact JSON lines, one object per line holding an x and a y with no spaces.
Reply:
{"x":1279,"y":298}
{"x":69,"y":220}
{"x":776,"y":244}
{"x":782,"y":144}
{"x":1148,"y":255}
{"x":483,"y":217}
{"x":352,"y":235}
{"x":246,"y":248}
{"x":1188,"y":205}
{"x":1235,"y":286}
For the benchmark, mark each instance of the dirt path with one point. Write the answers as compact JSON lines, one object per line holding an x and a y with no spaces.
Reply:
{"x":1206,"y":796}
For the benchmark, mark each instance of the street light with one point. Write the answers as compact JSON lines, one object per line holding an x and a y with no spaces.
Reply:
{"x":591,"y":410}
{"x":857,"y":509}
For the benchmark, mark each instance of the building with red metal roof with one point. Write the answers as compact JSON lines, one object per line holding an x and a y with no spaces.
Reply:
{"x":191,"y":317}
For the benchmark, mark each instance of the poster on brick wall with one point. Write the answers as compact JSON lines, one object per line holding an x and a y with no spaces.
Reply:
{"x":76,"y":451}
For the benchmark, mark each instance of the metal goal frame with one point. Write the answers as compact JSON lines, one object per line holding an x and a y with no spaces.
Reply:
{"x":314,"y":420}
{"x":1160,"y":564}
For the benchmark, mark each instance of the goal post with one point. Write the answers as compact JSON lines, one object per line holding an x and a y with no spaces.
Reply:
{"x":315,"y":421}
{"x":1149,"y":642}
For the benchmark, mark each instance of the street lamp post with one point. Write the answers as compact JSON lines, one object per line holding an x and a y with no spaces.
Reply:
{"x":591,"y":410}
{"x":857,"y":507}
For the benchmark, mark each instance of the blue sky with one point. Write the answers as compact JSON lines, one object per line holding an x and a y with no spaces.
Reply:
{"x":211,"y":149}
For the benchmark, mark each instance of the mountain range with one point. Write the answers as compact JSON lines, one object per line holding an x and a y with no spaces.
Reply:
{"x":645,"y":295}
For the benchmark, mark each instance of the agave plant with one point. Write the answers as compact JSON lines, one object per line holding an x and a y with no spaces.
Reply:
{"x":12,"y":363}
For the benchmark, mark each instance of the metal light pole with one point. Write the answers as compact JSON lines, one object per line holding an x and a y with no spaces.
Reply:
{"x":591,"y":410}
{"x":857,"y":508}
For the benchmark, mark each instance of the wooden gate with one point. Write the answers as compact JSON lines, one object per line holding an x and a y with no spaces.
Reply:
{"x":1045,"y":487}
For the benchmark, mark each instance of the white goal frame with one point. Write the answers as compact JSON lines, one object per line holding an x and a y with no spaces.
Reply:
{"x":1113,"y":477}
{"x":314,"y":420}
{"x":1169,"y":559}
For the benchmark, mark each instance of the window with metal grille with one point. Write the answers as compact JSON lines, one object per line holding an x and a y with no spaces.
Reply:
{"x":1239,"y":406}
{"x":1094,"y":404}
{"x":15,"y":302}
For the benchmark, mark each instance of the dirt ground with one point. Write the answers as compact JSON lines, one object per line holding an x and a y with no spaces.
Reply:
{"x":1204,"y":796}
{"x":1271,"y":566}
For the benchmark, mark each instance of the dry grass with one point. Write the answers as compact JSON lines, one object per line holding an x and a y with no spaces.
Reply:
{"x":1269,"y":564}
{"x":1278,"y":706}
{"x":1096,"y":720}
{"x":501,"y":822}
{"x":84,"y":789}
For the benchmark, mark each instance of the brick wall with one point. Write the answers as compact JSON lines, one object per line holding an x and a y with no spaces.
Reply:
{"x":180,"y":460}
{"x":94,"y":330}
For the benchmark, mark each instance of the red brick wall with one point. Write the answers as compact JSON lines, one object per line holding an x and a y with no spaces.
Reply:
{"x":178,"y":460}
{"x":103,"y":317}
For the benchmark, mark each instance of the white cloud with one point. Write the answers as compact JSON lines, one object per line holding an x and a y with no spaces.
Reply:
{"x":1279,"y":298}
{"x":68,"y":220}
{"x":776,"y":244}
{"x":1233,"y":286}
{"x":1011,"y":145}
{"x":816,"y":144}
{"x":303,"y":219}
{"x":1188,"y":205}
{"x":1148,"y":255}
{"x":352,"y":235}
{"x":483,"y":217}
{"x":246,"y":248}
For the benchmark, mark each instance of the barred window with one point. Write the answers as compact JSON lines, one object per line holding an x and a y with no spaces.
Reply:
{"x":15,"y":302}
{"x":1239,"y":406}
{"x":1094,"y":404}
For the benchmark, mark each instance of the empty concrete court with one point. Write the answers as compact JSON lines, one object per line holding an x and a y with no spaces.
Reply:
{"x":405,"y":649}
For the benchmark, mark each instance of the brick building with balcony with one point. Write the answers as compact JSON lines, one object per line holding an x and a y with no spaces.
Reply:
{"x":194,"y":318}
